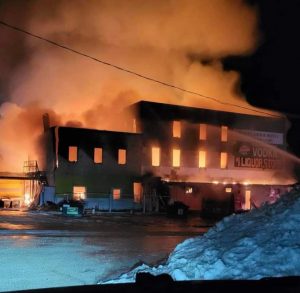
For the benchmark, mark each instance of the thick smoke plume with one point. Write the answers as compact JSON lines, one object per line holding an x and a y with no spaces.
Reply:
{"x":177,"y":42}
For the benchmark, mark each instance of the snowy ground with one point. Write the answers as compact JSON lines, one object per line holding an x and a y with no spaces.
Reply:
{"x":261,"y":243}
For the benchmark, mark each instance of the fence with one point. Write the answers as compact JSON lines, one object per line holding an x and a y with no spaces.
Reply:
{"x":105,"y":201}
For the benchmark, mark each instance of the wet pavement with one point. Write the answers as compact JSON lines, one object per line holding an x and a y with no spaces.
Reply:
{"x":47,"y":249}
{"x":53,"y":223}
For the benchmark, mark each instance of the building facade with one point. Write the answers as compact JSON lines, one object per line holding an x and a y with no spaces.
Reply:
{"x":174,"y":153}
{"x":213,"y":155}
{"x":100,"y":167}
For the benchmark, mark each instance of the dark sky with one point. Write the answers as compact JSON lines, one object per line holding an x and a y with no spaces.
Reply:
{"x":270,"y":77}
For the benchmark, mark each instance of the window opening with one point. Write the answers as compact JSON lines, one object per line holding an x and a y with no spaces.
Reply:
{"x":176,"y":129}
{"x":202,"y":159}
{"x":79,"y":192}
{"x":137,"y":192}
{"x":224,"y":133}
{"x":97,"y":155}
{"x":223,"y":161}
{"x":176,"y":158}
{"x":202,"y":131}
{"x":122,"y":157}
{"x":155,"y":156}
{"x":116,"y":193}
{"x":247,"y":200}
{"x":72,"y":153}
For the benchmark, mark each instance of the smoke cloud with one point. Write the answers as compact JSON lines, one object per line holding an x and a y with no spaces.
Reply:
{"x":165,"y":40}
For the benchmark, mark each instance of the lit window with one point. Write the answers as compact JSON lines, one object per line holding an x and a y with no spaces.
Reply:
{"x":176,"y":158}
{"x":202,"y":159}
{"x":176,"y":129}
{"x":97,"y":155}
{"x":79,"y":192}
{"x":224,"y":133}
{"x":228,"y":189}
{"x":202,"y":132}
{"x":155,"y":156}
{"x":72,"y":153}
{"x":116,"y":193}
{"x":122,"y":157}
{"x":137,"y":191}
{"x":223,"y":161}
{"x":247,"y":205}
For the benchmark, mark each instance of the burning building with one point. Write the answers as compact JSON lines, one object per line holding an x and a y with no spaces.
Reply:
{"x":174,"y":153}
{"x":103,"y":168}
{"x":208,"y":155}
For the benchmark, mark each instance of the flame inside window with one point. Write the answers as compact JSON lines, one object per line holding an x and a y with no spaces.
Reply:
{"x":223,"y":161}
{"x":155,"y":156}
{"x":122,"y":157}
{"x":72,"y":153}
{"x":202,"y":159}
{"x":176,"y":158}
{"x":176,"y":129}
{"x":97,"y":155}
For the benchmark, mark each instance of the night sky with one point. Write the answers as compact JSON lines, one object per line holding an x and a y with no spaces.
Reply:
{"x":270,"y":76}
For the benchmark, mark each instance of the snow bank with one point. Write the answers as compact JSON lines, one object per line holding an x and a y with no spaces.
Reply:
{"x":261,"y":243}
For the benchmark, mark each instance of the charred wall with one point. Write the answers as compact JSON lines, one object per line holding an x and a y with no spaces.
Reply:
{"x":98,"y":178}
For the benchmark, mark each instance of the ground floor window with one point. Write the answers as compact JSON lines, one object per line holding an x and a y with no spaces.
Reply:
{"x":137,"y":191}
{"x":79,"y":192}
{"x":247,"y":205}
{"x":116,"y":192}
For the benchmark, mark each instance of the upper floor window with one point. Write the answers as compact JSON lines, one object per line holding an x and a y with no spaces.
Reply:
{"x":202,"y":159}
{"x":155,"y":158}
{"x":224,"y":133}
{"x":202,"y":131}
{"x":72,"y":153}
{"x":176,"y":129}
{"x":121,"y":156}
{"x":223,"y":160}
{"x":176,"y":158}
{"x":97,"y":155}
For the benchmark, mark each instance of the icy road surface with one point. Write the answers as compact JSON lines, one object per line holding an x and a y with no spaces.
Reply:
{"x":39,"y":250}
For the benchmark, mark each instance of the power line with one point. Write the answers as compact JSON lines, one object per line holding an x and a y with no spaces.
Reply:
{"x":133,"y":72}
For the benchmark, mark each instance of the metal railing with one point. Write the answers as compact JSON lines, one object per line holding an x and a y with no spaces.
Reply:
{"x":147,"y":203}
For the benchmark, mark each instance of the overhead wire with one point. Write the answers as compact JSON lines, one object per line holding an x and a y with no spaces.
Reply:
{"x":133,"y":72}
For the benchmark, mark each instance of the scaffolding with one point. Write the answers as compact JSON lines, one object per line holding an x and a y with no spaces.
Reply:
{"x":33,"y":185}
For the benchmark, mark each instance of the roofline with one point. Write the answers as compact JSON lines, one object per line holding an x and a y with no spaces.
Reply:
{"x":97,"y":130}
{"x":206,"y":109}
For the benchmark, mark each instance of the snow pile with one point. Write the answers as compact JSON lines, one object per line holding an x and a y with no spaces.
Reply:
{"x":261,"y":243}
